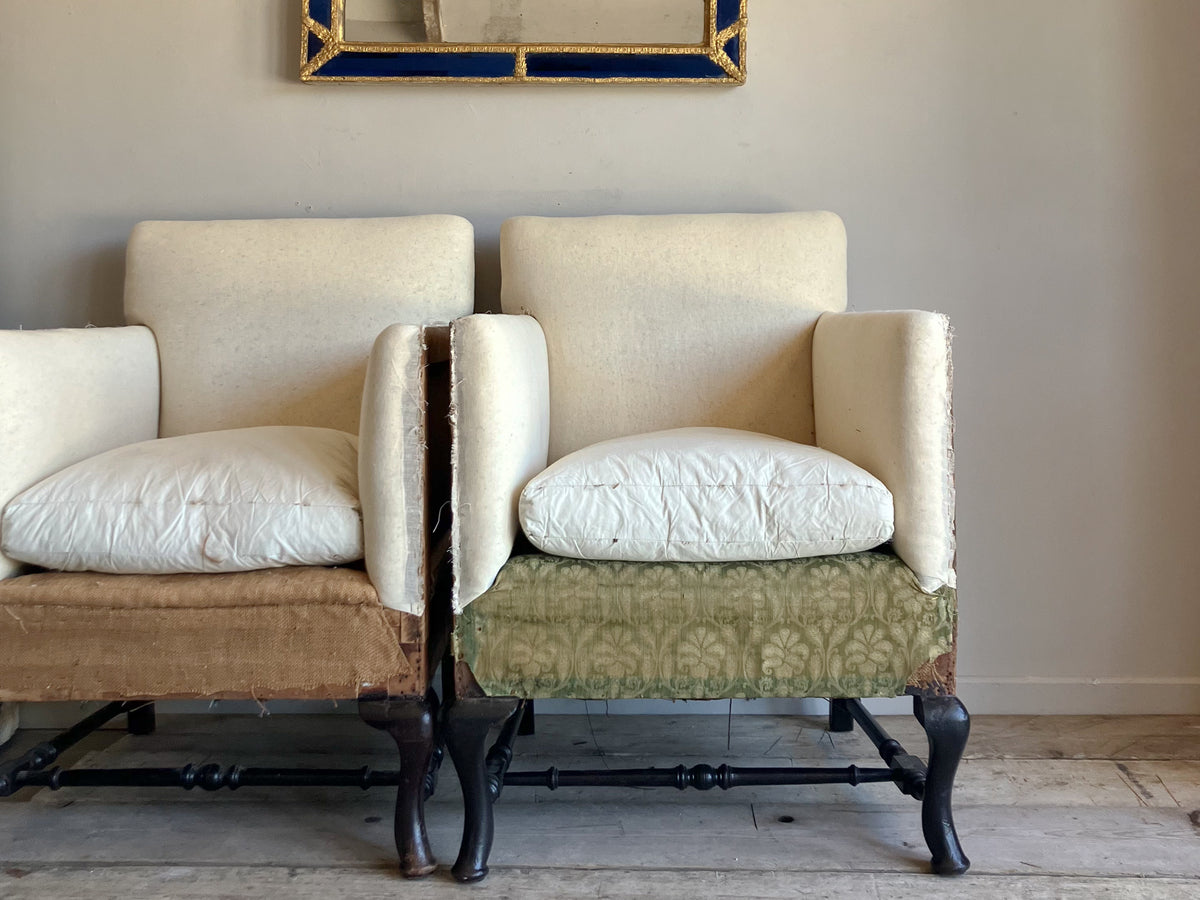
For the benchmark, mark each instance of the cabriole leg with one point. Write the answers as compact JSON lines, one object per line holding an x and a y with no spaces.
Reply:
{"x":947,"y":725}
{"x":467,"y":726}
{"x":410,"y":722}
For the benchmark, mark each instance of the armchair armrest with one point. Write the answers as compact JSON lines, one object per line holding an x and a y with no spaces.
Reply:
{"x":500,"y":420}
{"x":391,"y":467}
{"x":67,"y":394}
{"x":881,"y":398}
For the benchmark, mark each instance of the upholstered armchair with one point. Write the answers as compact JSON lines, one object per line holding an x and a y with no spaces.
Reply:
{"x":682,"y":470}
{"x":231,"y":497}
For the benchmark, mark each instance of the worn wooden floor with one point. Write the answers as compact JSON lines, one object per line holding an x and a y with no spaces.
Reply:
{"x":1078,"y":807}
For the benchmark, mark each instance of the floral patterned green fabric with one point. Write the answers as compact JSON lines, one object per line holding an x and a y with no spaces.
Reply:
{"x":855,"y":625}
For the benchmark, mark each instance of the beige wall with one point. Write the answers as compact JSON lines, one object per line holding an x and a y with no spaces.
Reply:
{"x":1029,"y":168}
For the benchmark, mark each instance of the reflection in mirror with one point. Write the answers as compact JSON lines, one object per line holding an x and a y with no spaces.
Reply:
{"x":526,"y":21}
{"x":391,"y":21}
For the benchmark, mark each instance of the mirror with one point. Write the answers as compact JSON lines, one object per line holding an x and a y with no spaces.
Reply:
{"x":524,"y":40}
{"x":526,"y":21}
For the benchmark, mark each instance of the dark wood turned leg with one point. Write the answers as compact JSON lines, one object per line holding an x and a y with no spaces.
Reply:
{"x":527,"y":724}
{"x":410,"y":722}
{"x":467,"y":726}
{"x":140,"y":719}
{"x":839,"y":716}
{"x":947,"y":725}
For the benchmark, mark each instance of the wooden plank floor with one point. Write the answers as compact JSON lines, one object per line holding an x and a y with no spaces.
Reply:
{"x":1086,"y":807}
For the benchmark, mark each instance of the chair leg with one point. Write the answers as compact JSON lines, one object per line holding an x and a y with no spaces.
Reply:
{"x":467,"y":726}
{"x":410,"y":722}
{"x":141,"y":719}
{"x":527,"y":726}
{"x":839,"y":716}
{"x":947,"y":726}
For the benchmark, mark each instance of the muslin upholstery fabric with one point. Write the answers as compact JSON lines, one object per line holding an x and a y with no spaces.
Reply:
{"x":391,"y":467}
{"x":270,"y":322}
{"x":882,"y":397}
{"x":216,"y":501}
{"x":267,"y":322}
{"x":252,"y":323}
{"x":67,"y":394}
{"x":500,"y":418}
{"x":656,"y":322}
{"x":704,"y":495}
{"x":652,"y":322}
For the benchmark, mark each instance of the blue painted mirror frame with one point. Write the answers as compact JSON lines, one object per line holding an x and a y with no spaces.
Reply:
{"x":325,"y":55}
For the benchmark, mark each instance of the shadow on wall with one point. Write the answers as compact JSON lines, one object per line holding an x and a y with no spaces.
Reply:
{"x":98,"y":279}
{"x":487,"y":275}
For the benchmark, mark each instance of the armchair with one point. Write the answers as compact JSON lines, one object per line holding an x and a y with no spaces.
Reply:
{"x":254,"y":333}
{"x":629,"y":326}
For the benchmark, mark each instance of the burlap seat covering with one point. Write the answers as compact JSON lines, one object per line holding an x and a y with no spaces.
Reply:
{"x":294,"y":632}
{"x":854,"y":625}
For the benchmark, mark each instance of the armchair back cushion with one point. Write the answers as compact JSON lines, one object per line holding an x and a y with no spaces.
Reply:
{"x":656,"y":322}
{"x":270,"y":322}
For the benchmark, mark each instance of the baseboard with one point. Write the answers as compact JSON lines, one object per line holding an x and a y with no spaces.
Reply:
{"x":1111,"y":696}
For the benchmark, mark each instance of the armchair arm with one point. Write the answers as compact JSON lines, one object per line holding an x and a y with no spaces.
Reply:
{"x":500,"y":421}
{"x":391,"y":467}
{"x":67,"y":394}
{"x":881,"y":398}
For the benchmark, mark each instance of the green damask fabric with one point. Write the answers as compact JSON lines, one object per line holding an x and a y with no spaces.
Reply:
{"x":855,"y":625}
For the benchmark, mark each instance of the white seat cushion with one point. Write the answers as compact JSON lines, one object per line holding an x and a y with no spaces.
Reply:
{"x":704,"y":495}
{"x":217,"y":501}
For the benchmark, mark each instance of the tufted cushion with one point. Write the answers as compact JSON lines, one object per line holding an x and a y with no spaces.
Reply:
{"x":704,"y":495}
{"x":218,"y":501}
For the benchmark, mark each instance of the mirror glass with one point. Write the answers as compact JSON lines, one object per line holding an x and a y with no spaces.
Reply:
{"x":526,"y":21}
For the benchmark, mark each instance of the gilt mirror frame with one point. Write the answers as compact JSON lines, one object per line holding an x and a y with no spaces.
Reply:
{"x":720,"y":58}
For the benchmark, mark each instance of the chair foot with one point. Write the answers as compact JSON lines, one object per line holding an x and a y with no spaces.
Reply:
{"x":840,"y":718}
{"x":140,"y":719}
{"x":467,"y":726}
{"x":410,"y":722}
{"x":947,"y":726}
